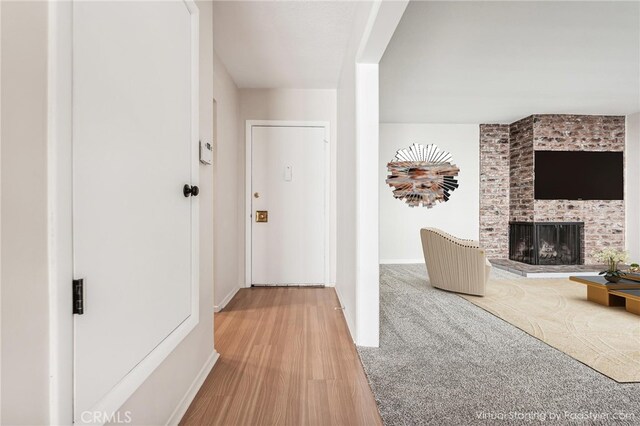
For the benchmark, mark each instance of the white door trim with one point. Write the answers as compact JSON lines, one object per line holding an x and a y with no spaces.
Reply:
{"x":248,"y":200}
{"x":60,"y":224}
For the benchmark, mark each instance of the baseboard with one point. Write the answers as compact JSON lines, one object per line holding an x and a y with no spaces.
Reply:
{"x":330,"y":285}
{"x":186,"y":401}
{"x":227,"y":299}
{"x":345,"y":314}
{"x":400,"y":261}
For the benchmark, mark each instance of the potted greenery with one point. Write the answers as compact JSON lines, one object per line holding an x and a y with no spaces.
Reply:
{"x":634,"y":267}
{"x":611,"y":257}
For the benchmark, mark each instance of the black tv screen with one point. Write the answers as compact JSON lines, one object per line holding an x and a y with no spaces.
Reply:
{"x":579,"y":175}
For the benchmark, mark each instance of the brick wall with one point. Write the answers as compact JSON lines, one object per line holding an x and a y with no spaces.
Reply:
{"x":521,"y":170}
{"x":603,"y":220}
{"x":494,"y":190}
{"x":554,"y":132}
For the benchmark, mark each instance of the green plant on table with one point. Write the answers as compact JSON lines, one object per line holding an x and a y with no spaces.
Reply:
{"x":612,"y":258}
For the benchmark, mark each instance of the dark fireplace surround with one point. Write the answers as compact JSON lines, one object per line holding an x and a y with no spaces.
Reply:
{"x":546,"y":243}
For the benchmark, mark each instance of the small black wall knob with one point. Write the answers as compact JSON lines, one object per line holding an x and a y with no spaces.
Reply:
{"x":188,"y":190}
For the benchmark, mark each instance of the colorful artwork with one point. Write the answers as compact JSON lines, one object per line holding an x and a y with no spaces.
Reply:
{"x":422,"y":175}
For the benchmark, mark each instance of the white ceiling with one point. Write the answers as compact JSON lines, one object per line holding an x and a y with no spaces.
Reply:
{"x":488,"y":62}
{"x":288,"y":44}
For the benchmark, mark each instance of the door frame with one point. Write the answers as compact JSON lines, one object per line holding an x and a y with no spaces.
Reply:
{"x":60,"y":224}
{"x":248,"y":195}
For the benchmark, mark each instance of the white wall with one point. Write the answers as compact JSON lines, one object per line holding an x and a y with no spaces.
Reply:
{"x":346,"y":278}
{"x":227,"y":217}
{"x":358,"y":278}
{"x":25,"y":333}
{"x":632,"y":183}
{"x":367,"y":212}
{"x":25,"y":345}
{"x":293,"y":105}
{"x":400,"y":224}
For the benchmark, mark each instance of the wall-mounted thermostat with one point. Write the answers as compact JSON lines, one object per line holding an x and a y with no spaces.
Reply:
{"x":206,"y":152}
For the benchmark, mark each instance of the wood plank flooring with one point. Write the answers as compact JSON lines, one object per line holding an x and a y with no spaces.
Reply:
{"x":286,"y":358}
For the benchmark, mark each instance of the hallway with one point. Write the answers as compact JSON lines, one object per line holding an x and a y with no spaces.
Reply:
{"x":286,"y":357}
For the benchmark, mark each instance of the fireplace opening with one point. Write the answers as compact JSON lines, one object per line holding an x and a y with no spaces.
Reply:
{"x":546,"y":243}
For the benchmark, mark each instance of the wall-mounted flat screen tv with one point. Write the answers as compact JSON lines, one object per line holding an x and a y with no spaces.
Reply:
{"x":579,"y":175}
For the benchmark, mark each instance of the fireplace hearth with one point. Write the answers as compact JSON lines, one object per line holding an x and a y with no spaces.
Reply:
{"x":546,"y":243}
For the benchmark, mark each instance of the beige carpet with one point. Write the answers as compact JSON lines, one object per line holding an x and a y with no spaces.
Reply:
{"x":557,"y":312}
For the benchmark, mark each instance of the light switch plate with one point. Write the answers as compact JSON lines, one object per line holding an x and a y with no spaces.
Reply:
{"x":206,"y":152}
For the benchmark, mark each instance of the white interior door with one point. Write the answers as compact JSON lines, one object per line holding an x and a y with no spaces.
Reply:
{"x":288,"y":182}
{"x":134,"y":231}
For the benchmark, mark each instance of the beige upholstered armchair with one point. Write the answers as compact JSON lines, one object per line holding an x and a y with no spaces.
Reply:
{"x":454,"y":264}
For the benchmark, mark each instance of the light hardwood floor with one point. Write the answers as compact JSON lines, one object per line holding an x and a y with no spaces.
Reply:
{"x":286,"y":358}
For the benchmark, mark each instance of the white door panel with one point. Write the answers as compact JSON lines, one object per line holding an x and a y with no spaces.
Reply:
{"x":288,"y":174}
{"x":132,"y":154}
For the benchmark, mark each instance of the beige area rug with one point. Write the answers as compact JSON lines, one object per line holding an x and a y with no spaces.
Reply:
{"x":557,"y":312}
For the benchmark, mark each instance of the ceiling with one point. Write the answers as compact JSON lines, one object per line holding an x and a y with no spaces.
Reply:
{"x":282,"y":44}
{"x":496,"y":62}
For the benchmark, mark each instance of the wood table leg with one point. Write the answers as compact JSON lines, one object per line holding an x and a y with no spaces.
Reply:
{"x":633,"y":306}
{"x":602,"y":296}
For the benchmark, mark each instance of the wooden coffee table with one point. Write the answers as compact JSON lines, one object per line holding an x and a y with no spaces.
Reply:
{"x":632,"y":299}
{"x":623,"y":293}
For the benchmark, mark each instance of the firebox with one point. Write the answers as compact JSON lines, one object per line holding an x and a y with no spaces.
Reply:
{"x":546,"y":243}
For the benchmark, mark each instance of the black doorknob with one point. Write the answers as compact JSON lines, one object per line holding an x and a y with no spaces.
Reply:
{"x":188,"y":190}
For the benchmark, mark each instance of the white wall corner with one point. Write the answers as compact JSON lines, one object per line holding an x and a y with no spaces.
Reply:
{"x":632,"y":187}
{"x":367,"y":208}
{"x":381,"y":24}
{"x":219,"y":307}
{"x":383,"y":21}
{"x":347,"y":318}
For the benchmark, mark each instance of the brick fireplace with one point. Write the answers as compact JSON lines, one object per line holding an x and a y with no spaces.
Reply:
{"x":507,"y":154}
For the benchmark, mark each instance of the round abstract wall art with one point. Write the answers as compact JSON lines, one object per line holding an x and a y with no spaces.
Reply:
{"x":422,"y":175}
